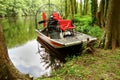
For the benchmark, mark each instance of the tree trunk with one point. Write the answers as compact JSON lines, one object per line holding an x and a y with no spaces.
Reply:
{"x":66,"y":11}
{"x":68,"y":8}
{"x":7,"y":69}
{"x":80,"y":7}
{"x":75,"y":7}
{"x":86,"y":7}
{"x":101,"y":14}
{"x":94,"y":6}
{"x":72,"y":8}
{"x":113,"y":25}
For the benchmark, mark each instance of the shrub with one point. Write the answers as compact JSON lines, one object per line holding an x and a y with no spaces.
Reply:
{"x":83,"y":24}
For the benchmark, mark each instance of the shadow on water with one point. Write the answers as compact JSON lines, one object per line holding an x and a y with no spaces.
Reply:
{"x":22,"y":46}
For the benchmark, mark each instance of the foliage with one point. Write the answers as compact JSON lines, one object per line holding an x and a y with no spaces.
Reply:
{"x":18,"y":7}
{"x":22,"y":7}
{"x":102,"y":66}
{"x":3,"y":7}
{"x":96,"y":32}
{"x":84,"y":25}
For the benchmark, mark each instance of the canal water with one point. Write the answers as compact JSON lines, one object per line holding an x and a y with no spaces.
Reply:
{"x":22,"y":46}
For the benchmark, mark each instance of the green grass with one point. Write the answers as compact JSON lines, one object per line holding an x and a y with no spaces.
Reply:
{"x":102,"y":65}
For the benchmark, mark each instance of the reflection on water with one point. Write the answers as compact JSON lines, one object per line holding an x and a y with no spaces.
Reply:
{"x":26,"y":59}
{"x":18,"y":31}
{"x":22,"y":46}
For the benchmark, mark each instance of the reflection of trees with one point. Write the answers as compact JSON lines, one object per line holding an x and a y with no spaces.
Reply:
{"x":18,"y":30}
{"x":49,"y":59}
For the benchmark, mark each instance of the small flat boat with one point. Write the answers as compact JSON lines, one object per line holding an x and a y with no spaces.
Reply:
{"x":59,"y":36}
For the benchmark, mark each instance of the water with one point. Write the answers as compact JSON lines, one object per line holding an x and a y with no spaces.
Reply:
{"x":27,"y":60}
{"x":22,"y":46}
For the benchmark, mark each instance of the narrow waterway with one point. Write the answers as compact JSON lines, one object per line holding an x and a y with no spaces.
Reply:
{"x":22,"y":46}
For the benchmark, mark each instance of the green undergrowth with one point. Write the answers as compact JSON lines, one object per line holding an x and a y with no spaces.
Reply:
{"x":102,"y":65}
{"x":84,"y":24}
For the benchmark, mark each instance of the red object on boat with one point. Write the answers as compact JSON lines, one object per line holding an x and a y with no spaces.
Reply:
{"x":63,"y":24}
{"x":44,"y":18}
{"x":56,"y":16}
{"x":66,"y":25}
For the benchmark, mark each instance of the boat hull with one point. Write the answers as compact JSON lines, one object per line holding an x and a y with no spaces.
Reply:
{"x":60,"y":53}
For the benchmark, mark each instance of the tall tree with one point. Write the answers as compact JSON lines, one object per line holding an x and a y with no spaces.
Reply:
{"x":94,"y":6}
{"x":101,"y":14}
{"x":7,"y":69}
{"x":86,"y":7}
{"x":80,"y":7}
{"x":75,"y":6}
{"x":72,"y":8}
{"x":112,"y":38}
{"x":66,"y":11}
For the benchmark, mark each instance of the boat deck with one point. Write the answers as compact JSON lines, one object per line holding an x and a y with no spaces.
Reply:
{"x":78,"y":38}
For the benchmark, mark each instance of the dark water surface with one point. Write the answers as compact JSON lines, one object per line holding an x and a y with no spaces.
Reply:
{"x":22,"y":46}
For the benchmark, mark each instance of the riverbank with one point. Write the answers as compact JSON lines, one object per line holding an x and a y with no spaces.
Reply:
{"x":102,"y":65}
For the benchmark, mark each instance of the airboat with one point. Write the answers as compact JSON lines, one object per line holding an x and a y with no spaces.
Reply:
{"x":58,"y":35}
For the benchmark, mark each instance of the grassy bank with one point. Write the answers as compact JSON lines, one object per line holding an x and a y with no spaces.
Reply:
{"x":102,"y":65}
